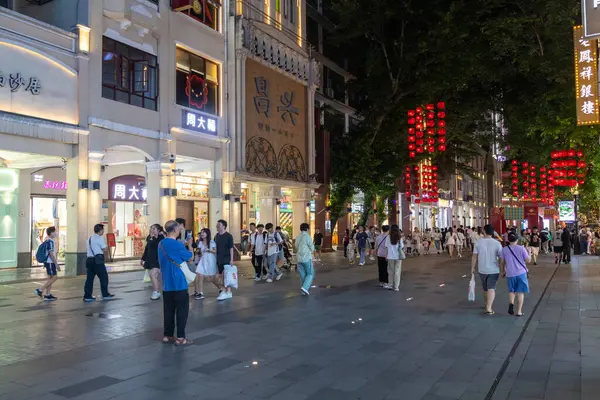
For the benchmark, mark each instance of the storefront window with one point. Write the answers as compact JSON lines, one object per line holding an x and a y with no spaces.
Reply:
{"x":130,"y":228}
{"x":129,"y":75}
{"x":197,"y":82}
{"x":205,"y":11}
{"x":47,"y":212}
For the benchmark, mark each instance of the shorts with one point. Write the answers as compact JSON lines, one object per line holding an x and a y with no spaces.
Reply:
{"x":518,"y":284}
{"x":50,"y":269}
{"x":558,"y":249}
{"x":372,"y":245}
{"x":221,"y":268}
{"x":317,"y":247}
{"x":535,"y":250}
{"x":488,"y":281}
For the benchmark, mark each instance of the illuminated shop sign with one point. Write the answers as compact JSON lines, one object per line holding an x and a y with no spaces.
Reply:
{"x":127,"y":188}
{"x":586,"y":78}
{"x":200,"y":122}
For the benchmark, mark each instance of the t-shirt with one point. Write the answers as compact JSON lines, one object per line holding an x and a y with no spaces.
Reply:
{"x":488,"y":251}
{"x":318,"y":238}
{"x":361,"y":238}
{"x":171,"y":253}
{"x":557,"y":239}
{"x":534,"y":240}
{"x":393,"y":250}
{"x":258,"y":240}
{"x":272,"y":240}
{"x":380,"y":245}
{"x":224,"y":245}
{"x":97,"y":245}
{"x":515,"y":264}
{"x":50,"y":249}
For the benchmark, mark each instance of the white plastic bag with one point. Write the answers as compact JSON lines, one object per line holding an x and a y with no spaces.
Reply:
{"x":472,"y":288}
{"x":147,"y":277}
{"x":230,"y":275}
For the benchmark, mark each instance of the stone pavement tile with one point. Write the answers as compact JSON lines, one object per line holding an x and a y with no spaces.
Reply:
{"x":133,"y":371}
{"x":449,"y":388}
{"x":266,"y":389}
{"x":78,"y":389}
{"x":409,"y":391}
{"x":563,"y":395}
{"x":143,"y":393}
{"x":298,"y":372}
{"x":533,"y":389}
{"x":469,"y":395}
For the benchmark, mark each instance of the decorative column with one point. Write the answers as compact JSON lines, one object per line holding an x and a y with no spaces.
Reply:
{"x":94,"y":193}
{"x":300,"y":199}
{"x":77,"y":210}
{"x":215,"y":194}
{"x":161,"y":208}
{"x":268,"y":196}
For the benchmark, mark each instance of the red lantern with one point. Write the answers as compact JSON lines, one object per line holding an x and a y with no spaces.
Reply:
{"x":429,"y":107}
{"x":411,"y":121}
{"x":411,"y":113}
{"x":419,"y":109}
{"x":441,"y":105}
{"x":442,"y":147}
{"x":441,"y":131}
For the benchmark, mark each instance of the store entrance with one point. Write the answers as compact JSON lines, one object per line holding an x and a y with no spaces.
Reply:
{"x":47,"y":212}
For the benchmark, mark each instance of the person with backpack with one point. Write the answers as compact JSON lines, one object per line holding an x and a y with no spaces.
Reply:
{"x":46,"y":254}
{"x":361,"y":244}
{"x":545,"y":238}
{"x":513,"y":260}
{"x":96,"y":253}
{"x":273,"y":242}
{"x":258,"y":240}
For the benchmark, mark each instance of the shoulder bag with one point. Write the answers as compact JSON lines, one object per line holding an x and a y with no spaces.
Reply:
{"x":518,"y":260}
{"x":189,"y":275}
{"x":98,"y":258}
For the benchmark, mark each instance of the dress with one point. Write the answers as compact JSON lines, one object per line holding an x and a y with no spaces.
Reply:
{"x":207,"y":266}
{"x":450,"y":241}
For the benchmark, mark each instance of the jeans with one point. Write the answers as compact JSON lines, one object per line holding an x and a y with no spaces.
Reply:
{"x":382,"y":265}
{"x":176,"y":306}
{"x":545,"y":247}
{"x":94,"y":270}
{"x":307,"y":274}
{"x":257,"y":262}
{"x":273,"y":271}
{"x":362,"y":255}
{"x":584,"y":246}
{"x":394,"y":272}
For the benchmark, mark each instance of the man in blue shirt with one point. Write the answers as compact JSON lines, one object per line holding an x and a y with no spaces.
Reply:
{"x":171,"y":254}
{"x":361,"y":243}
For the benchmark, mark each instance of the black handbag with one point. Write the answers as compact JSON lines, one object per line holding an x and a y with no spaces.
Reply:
{"x":98,"y":258}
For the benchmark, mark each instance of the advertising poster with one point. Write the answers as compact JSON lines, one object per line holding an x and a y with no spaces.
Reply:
{"x":566,"y":211}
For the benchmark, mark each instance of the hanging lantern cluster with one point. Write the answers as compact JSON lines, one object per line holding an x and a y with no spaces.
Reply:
{"x":568,"y":168}
{"x":429,"y":183}
{"x":526,"y":185}
{"x":411,"y":180}
{"x":423,"y":126}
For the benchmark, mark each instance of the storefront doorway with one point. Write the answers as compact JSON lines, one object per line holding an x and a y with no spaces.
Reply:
{"x":47,"y":212}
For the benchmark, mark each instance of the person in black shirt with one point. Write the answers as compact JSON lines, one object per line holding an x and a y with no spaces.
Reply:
{"x":534,"y":243}
{"x":566,"y":240}
{"x":224,"y":242}
{"x":150,"y":259}
{"x":318,"y":242}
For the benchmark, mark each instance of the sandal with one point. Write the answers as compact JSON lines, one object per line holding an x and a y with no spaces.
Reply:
{"x":168,"y":340}
{"x":489,"y":313}
{"x":183,"y":342}
{"x":520,"y":315}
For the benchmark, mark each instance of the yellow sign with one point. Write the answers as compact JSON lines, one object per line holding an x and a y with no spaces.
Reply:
{"x":586,"y":78}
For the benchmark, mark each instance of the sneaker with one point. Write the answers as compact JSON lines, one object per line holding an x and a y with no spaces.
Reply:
{"x":155,"y":296}
{"x":229,"y":295}
{"x":396,"y":290}
{"x":371,"y":258}
{"x":199,"y":296}
{"x":222,"y":296}
{"x":278,"y":277}
{"x":89,"y":299}
{"x":49,"y":297}
{"x":269,"y":280}
{"x":39,"y":293}
{"x":264,"y":277}
{"x":304,"y":292}
{"x":108,"y":297}
{"x":386,"y":286}
{"x":194,"y":294}
{"x":257,"y":279}
{"x":511,"y":309}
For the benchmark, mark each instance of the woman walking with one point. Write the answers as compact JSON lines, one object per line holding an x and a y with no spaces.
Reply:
{"x":304,"y":252}
{"x":459,"y":240}
{"x":437,"y":240}
{"x":206,"y":268}
{"x":393,"y":243}
{"x":150,"y":259}
{"x":450,"y":241}
{"x":513,"y":266}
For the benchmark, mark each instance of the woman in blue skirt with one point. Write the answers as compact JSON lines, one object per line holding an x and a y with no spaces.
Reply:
{"x":514,"y":268}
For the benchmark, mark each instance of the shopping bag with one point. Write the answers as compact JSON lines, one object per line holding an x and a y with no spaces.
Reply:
{"x":231,"y":276}
{"x":147,"y":277}
{"x":472,"y":288}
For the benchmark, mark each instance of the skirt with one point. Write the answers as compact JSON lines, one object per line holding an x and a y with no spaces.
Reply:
{"x":207,"y":265}
{"x":518,"y":284}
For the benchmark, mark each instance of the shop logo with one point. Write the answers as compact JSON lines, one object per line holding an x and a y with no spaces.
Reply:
{"x":56,"y":185}
{"x":132,"y":192}
{"x":200,"y":122}
{"x":197,"y":91}
{"x":16,"y":81}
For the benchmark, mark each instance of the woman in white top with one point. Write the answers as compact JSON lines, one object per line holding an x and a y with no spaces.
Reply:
{"x":394,"y":248}
{"x":459,"y":241}
{"x":207,"y":265}
{"x":437,"y":240}
{"x":450,"y":241}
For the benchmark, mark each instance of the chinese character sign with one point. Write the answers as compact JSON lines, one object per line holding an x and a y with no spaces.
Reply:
{"x":586,"y":78}
{"x":200,"y":122}
{"x":128,"y":188}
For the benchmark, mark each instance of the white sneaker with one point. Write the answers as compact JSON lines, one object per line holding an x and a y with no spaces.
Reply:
{"x":269,"y":280}
{"x":230,"y":295}
{"x":264,"y":277}
{"x":257,"y":279}
{"x":155,"y":296}
{"x":223,"y":296}
{"x":278,"y":277}
{"x":396,"y":290}
{"x":304,"y":292}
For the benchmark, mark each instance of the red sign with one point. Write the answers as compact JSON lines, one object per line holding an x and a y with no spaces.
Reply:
{"x":110,"y":238}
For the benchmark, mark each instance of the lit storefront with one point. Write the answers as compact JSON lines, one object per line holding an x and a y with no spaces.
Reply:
{"x":127,"y":211}
{"x":193,"y":202}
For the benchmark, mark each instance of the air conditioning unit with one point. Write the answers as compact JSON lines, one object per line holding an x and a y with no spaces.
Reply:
{"x":330,"y":92}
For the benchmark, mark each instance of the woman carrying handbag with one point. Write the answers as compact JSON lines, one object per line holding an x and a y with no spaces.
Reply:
{"x":513,"y":266}
{"x":395,"y":255}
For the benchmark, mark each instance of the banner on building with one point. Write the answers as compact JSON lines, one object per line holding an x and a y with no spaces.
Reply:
{"x":586,"y":78}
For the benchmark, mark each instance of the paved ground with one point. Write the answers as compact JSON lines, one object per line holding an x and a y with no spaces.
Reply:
{"x":349,"y":340}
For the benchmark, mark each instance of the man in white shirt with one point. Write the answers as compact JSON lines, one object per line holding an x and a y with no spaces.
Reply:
{"x":96,"y":253}
{"x":486,"y":255}
{"x":257,"y":243}
{"x":273,"y":242}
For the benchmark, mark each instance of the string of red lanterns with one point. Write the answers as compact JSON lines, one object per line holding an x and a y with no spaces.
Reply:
{"x":423,"y":125}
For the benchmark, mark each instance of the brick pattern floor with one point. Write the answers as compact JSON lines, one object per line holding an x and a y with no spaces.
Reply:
{"x":349,"y":340}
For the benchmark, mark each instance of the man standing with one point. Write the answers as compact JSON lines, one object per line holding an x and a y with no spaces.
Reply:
{"x":545,"y":238}
{"x":304,"y":250}
{"x":381,"y":250}
{"x":51,"y":265}
{"x":224,"y":242}
{"x":534,"y":243}
{"x":273,"y":242}
{"x":96,"y":253}
{"x":318,"y":242}
{"x":567,"y":243}
{"x":258,"y":241}
{"x":361,"y":244}
{"x":251,"y":243}
{"x":486,"y":254}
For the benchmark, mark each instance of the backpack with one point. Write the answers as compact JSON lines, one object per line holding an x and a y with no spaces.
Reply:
{"x":41,"y":255}
{"x":544,"y":236}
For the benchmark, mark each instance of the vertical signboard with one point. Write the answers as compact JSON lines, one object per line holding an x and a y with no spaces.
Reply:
{"x":586,"y":78}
